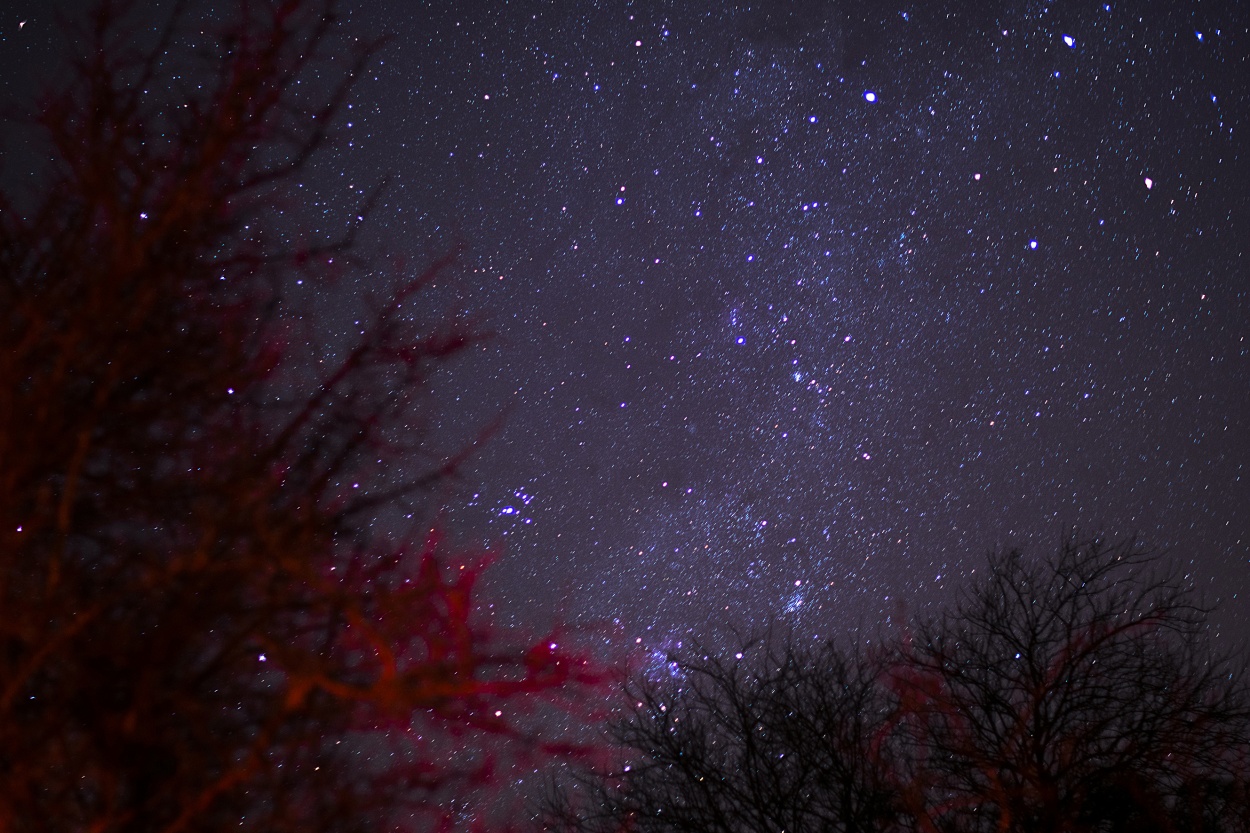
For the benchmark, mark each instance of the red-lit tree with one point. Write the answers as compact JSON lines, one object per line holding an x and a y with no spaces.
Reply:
{"x":204,"y":625}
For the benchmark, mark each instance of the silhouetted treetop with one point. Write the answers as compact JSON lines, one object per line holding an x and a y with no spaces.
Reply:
{"x":1078,"y":693}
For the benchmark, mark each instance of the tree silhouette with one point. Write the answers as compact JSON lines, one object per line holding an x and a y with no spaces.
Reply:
{"x":772,"y":743}
{"x":1073,"y":694}
{"x":213,"y":613}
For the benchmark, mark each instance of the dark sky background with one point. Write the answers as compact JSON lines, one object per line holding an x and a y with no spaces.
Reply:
{"x":803,"y":307}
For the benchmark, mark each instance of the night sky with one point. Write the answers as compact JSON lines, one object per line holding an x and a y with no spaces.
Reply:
{"x":801,"y":308}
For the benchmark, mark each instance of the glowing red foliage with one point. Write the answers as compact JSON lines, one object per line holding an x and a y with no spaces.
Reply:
{"x":222,"y":602}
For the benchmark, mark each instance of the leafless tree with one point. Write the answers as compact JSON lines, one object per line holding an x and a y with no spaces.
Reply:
{"x":203,"y":623}
{"x":1074,"y":694}
{"x":773,"y":738}
{"x":1077,"y":693}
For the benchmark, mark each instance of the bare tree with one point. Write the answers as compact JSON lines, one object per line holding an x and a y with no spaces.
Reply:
{"x":771,"y":739}
{"x":203,"y":624}
{"x":1075,"y":694}
{"x":1072,"y":694}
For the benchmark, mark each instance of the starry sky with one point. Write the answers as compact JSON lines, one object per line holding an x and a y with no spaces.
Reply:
{"x":801,"y":307}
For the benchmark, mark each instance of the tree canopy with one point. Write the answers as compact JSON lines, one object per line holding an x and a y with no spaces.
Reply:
{"x":1077,"y":693}
{"x":214,"y":616}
